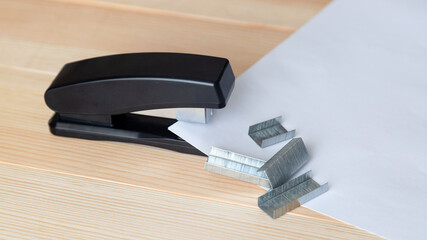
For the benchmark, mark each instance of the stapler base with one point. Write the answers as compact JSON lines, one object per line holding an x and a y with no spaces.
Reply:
{"x":133,"y":128}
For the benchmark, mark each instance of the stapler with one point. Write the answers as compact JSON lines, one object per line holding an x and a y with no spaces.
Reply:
{"x":97,"y":98}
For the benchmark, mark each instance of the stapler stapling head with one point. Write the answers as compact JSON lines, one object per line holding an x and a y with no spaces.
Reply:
{"x":97,"y":98}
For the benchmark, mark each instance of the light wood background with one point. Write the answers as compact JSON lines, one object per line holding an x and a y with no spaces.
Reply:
{"x":61,"y":188}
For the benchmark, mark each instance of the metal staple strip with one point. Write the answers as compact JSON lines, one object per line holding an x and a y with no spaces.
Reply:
{"x":270,"y":132}
{"x":283,"y":188}
{"x":236,"y":166}
{"x":290,"y":195}
{"x":286,"y":162}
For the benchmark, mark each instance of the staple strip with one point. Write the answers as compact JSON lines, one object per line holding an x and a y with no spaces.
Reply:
{"x":285,"y":187}
{"x":286,"y":162}
{"x":269,"y":132}
{"x":236,"y":166}
{"x":290,"y":195}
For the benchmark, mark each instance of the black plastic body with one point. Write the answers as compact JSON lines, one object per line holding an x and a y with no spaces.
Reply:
{"x":93,"y":98}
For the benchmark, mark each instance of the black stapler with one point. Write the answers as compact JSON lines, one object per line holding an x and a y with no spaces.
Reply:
{"x":96,"y":98}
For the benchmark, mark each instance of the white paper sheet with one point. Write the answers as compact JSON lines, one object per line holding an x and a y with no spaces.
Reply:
{"x":353,"y":82}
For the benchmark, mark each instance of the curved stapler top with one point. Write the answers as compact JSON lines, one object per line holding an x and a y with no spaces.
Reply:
{"x":140,"y":81}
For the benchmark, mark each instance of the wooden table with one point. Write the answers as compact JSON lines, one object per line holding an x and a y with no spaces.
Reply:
{"x":62,"y":188}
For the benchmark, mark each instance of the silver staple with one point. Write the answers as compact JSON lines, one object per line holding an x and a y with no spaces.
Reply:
{"x":236,"y":166}
{"x":286,"y":162}
{"x":270,"y":132}
{"x":290,"y":195}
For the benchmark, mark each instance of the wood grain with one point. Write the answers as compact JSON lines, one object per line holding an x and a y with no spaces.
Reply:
{"x":73,"y":207}
{"x":62,"y":188}
{"x":54,"y":35}
{"x":285,"y":13}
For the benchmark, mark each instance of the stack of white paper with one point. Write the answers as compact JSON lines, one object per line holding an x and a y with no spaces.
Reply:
{"x":353,"y":82}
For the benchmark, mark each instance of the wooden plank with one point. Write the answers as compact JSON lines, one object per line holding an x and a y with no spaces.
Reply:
{"x":47,"y":205}
{"x":286,"y":13}
{"x":63,"y":31}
